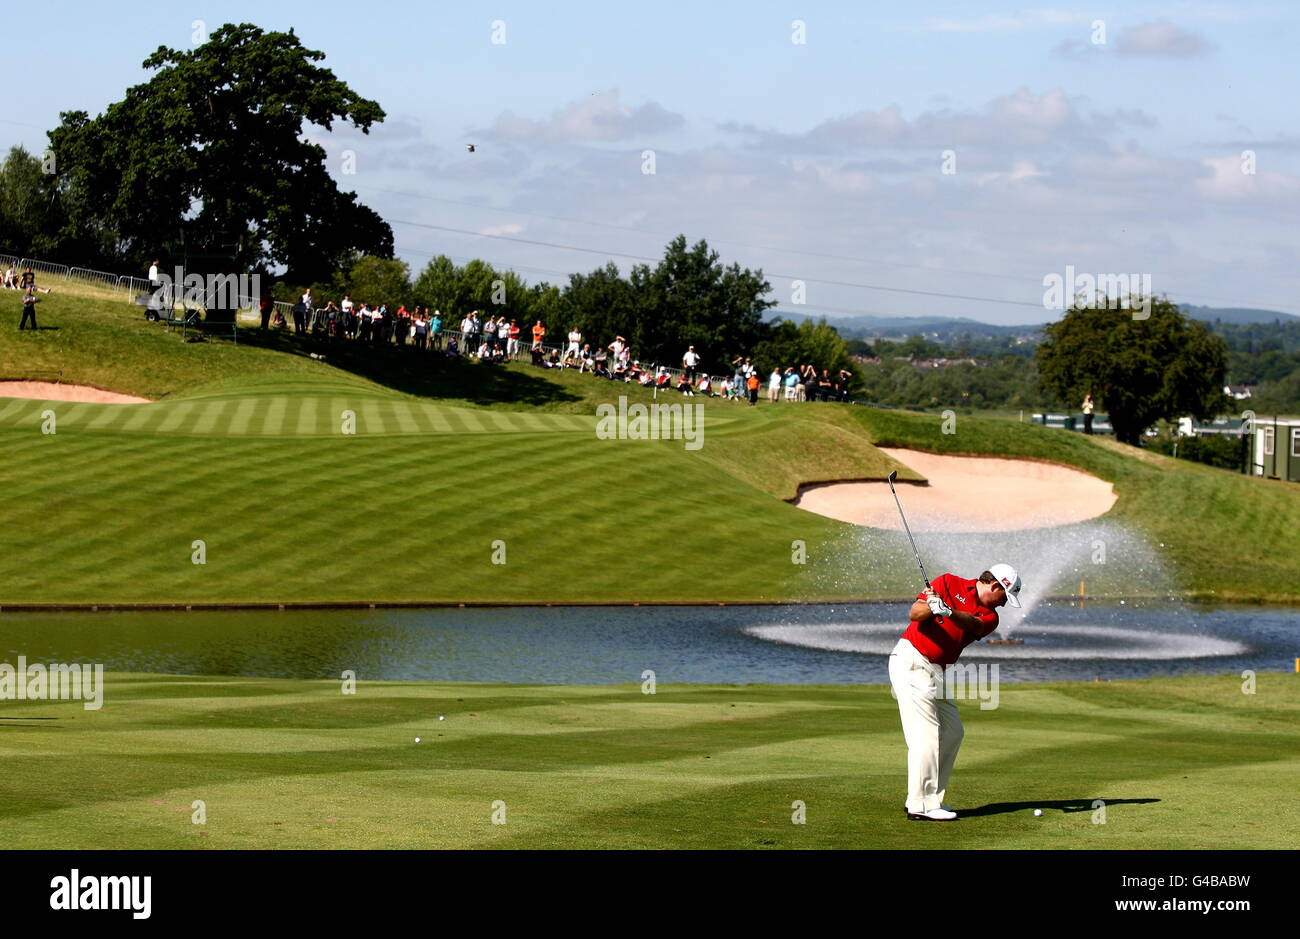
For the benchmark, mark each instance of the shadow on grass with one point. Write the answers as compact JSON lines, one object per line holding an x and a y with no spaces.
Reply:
{"x":1064,"y":805}
{"x":416,"y":372}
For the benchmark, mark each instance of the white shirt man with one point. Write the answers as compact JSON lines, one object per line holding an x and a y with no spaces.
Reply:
{"x":575,"y":342}
{"x":153,"y":273}
{"x":346,"y":305}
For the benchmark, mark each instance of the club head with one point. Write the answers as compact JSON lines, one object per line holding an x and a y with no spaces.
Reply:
{"x":893,"y":474}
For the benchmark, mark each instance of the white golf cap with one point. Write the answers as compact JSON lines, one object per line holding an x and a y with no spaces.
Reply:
{"x":1010,"y":581}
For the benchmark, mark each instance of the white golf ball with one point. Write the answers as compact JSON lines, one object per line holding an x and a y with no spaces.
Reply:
{"x":1037,"y":812}
{"x":417,"y":739}
{"x":441,"y":718}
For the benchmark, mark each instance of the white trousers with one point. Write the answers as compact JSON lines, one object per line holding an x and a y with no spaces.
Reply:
{"x":931,"y":726}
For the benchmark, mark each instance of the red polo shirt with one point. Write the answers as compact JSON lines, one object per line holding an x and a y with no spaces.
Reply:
{"x":941,"y":643}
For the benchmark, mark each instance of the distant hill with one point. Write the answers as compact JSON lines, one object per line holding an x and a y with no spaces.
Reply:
{"x":948,"y":328}
{"x":1239,"y":315}
{"x":936,"y":328}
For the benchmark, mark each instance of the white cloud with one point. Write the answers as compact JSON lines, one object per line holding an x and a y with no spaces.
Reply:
{"x":1162,"y":39}
{"x":509,"y":229}
{"x":1227,"y":182}
{"x":596,"y":118}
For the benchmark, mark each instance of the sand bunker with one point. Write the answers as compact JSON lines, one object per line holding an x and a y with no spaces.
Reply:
{"x":966,"y":494}
{"x":54,"y":391}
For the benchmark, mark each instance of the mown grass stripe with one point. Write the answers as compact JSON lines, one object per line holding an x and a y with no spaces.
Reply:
{"x":437,"y":419}
{"x":306,"y":425}
{"x":242,"y":419}
{"x":371,"y":420}
{"x":209,"y":418}
{"x":142,"y":416}
{"x":402,"y":414}
{"x":274,"y":419}
{"x":176,"y":416}
{"x":110,"y":416}
{"x":469,"y":421}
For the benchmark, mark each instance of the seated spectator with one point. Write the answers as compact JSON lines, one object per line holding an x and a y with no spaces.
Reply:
{"x":539,"y":357}
{"x":553,"y":360}
{"x":279,"y":320}
{"x":587,"y":360}
{"x":663,"y":379}
{"x":453,"y":347}
{"x":684,"y":385}
{"x":646,"y":379}
{"x":704,"y":387}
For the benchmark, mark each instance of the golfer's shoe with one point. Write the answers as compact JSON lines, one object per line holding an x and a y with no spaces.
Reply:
{"x":945,"y":806}
{"x":934,"y":815}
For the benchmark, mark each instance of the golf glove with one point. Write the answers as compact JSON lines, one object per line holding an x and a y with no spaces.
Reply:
{"x":938,"y":607}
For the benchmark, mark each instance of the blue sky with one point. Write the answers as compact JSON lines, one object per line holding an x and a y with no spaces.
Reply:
{"x":821,"y":161}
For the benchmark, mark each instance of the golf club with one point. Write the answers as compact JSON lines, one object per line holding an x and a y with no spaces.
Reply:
{"x":893,"y":474}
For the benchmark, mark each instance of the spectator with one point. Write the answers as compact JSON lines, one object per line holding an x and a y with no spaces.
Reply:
{"x":791,"y":383}
{"x":11,"y":279}
{"x":299,"y":317}
{"x":774,"y":386}
{"x":279,"y":321}
{"x":538,"y":358}
{"x":825,"y":387}
{"x":29,"y":309}
{"x":266,"y":305}
{"x":539,"y":333}
{"x":29,"y":280}
{"x":684,"y":385}
{"x":705,"y":386}
{"x":1087,"y":413}
{"x":154,"y":282}
{"x":689,"y":361}
{"x":586,"y":359}
{"x":489,"y":347}
{"x":435,"y":331}
{"x":421,"y":327}
{"x":752,"y":383}
{"x":575,"y":340}
{"x":453,"y":347}
{"x":512,"y":350}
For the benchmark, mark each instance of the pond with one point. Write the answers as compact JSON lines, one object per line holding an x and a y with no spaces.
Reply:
{"x":844,"y":644}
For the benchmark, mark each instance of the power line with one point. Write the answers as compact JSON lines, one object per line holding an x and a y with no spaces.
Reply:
{"x":618,"y":254}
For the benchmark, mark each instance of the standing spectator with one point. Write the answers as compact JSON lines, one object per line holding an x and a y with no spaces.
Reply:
{"x":689,"y":361}
{"x":421,"y":331}
{"x":791,"y":383}
{"x":575,"y":341}
{"x":266,"y":305}
{"x":299,"y":316}
{"x":29,"y":309}
{"x":539,"y":333}
{"x":825,"y":387}
{"x":774,"y":385}
{"x":752,"y":384}
{"x":154,"y":282}
{"x":435,"y":331}
{"x":489,"y":338}
{"x":808,"y":377}
{"x":512,"y":348}
{"x":1087,"y":413}
{"x":617,"y":347}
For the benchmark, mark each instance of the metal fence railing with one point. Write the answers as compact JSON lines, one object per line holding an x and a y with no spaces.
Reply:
{"x":87,"y":276}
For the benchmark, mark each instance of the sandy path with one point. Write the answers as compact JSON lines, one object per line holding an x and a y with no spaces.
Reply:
{"x":55,"y":391}
{"x":967,"y":494}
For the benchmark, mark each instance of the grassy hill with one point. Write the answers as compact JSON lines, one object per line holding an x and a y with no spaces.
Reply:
{"x":451,"y":464}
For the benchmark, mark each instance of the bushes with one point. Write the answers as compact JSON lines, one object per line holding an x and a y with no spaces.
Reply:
{"x":1214,"y":449}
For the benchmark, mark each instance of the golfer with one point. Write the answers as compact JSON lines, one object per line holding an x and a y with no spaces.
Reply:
{"x":945,"y":619}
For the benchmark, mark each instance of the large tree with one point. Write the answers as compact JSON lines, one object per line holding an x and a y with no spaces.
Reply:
{"x":211,"y":153}
{"x":1138,"y":370}
{"x":28,"y":213}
